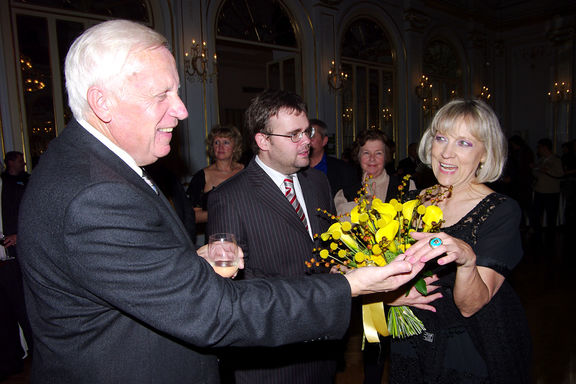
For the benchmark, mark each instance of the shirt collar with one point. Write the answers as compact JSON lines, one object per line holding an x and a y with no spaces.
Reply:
{"x":111,"y":146}
{"x":277,"y":177}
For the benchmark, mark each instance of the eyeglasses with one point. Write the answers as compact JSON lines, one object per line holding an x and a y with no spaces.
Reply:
{"x":296,"y":137}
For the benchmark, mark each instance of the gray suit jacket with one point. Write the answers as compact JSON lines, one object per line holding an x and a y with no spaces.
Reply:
{"x":276,"y":244}
{"x":116,"y":292}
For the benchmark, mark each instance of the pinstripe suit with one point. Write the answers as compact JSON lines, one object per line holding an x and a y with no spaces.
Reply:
{"x":275,"y":245}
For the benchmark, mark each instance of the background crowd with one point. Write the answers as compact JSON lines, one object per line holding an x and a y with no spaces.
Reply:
{"x":499,"y":189}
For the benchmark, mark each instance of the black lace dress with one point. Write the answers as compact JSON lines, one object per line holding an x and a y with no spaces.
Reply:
{"x":493,"y":345}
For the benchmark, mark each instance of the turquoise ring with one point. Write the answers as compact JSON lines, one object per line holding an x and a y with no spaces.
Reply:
{"x":435,"y":242}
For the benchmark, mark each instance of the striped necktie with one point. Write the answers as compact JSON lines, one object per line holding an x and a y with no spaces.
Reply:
{"x":291,"y":196}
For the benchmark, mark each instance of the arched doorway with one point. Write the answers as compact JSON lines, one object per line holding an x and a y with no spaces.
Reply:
{"x":257,"y":48}
{"x":368,"y":95}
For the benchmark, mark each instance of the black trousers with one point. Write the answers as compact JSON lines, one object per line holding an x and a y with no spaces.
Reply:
{"x":12,"y":313}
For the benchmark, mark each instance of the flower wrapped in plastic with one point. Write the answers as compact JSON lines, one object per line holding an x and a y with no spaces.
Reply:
{"x":373,"y":234}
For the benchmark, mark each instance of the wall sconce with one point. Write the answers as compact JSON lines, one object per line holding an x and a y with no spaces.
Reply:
{"x":560,"y":93}
{"x":386,"y":114}
{"x":347,"y":114}
{"x":424,"y":89}
{"x":430,"y":105}
{"x":336,"y":78}
{"x":485,"y":94}
{"x":196,"y":63}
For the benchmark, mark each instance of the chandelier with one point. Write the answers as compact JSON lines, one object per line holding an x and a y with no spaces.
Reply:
{"x":560,"y":93}
{"x":32,"y":80}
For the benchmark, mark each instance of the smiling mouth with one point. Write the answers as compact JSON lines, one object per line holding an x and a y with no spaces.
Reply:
{"x":448,"y":167}
{"x":166,"y":130}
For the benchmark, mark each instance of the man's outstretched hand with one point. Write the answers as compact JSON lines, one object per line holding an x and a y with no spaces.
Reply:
{"x":368,"y":280}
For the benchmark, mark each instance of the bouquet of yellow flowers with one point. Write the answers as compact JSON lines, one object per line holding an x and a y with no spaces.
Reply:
{"x":373,"y":234}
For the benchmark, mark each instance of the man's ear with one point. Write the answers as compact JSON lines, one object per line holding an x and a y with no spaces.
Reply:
{"x":325,"y":141}
{"x":262,"y":141}
{"x":99,"y":103}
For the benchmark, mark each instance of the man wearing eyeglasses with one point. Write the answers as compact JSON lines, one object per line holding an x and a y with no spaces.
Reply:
{"x":275,"y":230}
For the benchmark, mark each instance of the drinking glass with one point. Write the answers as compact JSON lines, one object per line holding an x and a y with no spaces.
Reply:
{"x":223,"y":254}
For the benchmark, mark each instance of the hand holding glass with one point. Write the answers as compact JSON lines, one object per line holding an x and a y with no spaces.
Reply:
{"x":223,"y":254}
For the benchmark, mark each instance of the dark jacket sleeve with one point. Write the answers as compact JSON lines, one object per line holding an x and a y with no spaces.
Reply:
{"x":159,"y":279}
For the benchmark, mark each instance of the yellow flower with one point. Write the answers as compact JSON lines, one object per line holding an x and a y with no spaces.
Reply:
{"x":397,"y":206}
{"x":382,"y":221}
{"x":333,"y":246}
{"x":376,"y":250}
{"x":432,"y":216}
{"x":346,"y":226}
{"x":388,"y":231}
{"x":408,"y":209}
{"x":383,"y":208}
{"x":379,"y":261}
{"x":357,"y":212}
{"x":324,"y":253}
{"x":335,"y":231}
{"x":359,"y":257}
{"x":350,"y":242}
{"x":403,"y":247}
{"x":421,"y":209}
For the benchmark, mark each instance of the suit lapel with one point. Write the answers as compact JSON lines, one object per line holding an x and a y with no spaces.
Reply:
{"x":309,"y":190}
{"x":78,"y":136}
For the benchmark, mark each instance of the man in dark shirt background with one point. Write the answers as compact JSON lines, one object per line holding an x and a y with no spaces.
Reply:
{"x":14,"y":180}
{"x":340,"y":173}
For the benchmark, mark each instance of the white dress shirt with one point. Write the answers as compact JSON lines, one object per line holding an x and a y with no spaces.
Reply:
{"x":278,"y":179}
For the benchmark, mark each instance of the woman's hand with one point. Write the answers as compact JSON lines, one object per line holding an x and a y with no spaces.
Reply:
{"x":474,"y":286}
{"x":415,"y":298}
{"x":455,"y":250}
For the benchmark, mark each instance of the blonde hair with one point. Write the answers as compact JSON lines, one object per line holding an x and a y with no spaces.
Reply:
{"x":228,"y":132}
{"x":483,"y":124}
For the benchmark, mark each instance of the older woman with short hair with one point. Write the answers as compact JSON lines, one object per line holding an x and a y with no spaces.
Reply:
{"x":477,"y":331}
{"x":370,"y":151}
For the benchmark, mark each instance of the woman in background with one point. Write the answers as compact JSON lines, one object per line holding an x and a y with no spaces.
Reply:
{"x":370,"y":151}
{"x":224,"y":148}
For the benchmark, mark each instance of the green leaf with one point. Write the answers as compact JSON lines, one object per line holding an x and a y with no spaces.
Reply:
{"x":421,"y":287}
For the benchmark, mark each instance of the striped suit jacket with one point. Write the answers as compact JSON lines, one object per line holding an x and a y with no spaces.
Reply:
{"x":275,"y":245}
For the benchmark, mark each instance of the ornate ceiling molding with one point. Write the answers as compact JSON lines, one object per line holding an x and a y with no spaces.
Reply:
{"x":417,"y":20}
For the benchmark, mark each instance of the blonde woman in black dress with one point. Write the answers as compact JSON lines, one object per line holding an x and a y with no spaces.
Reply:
{"x":478,"y":332}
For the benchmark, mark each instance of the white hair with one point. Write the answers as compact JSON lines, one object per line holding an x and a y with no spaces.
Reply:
{"x":100,"y":55}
